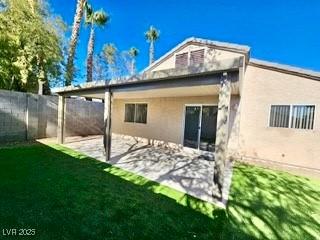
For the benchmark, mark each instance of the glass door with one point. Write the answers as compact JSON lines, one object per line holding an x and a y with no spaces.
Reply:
{"x":192,"y":126}
{"x":200,"y":127}
{"x":208,"y":128}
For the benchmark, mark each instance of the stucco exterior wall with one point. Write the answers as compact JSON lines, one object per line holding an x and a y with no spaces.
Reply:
{"x":211,"y":55}
{"x":165,"y":117}
{"x":234,"y":120}
{"x":258,"y":141}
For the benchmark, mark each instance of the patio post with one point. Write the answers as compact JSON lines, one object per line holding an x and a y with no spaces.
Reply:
{"x":107,"y":123}
{"x":222,"y":133}
{"x":61,"y":114}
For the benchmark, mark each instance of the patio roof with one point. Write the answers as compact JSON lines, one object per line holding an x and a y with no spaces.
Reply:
{"x":192,"y":76}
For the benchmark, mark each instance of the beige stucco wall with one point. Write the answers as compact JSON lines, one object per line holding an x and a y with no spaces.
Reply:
{"x":165,"y":117}
{"x":234,"y":120}
{"x":212,"y":55}
{"x":262,"y":88}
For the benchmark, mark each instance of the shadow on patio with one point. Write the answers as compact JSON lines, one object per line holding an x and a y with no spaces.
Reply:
{"x":189,"y":172}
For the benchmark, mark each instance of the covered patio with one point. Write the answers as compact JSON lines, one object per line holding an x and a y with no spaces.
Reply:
{"x":187,"y":171}
{"x":198,"y":173}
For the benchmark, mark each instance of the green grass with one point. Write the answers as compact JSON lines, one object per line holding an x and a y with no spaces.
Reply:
{"x":65,"y":195}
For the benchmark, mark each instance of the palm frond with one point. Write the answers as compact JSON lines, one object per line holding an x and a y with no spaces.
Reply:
{"x":88,"y":13}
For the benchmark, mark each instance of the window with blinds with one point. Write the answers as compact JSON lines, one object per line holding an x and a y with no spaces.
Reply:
{"x":181,"y":60}
{"x":296,"y":116}
{"x":302,"y":116}
{"x":279,"y":116}
{"x":197,"y":57}
{"x":136,"y":112}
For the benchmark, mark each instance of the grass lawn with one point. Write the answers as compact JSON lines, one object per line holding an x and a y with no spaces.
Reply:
{"x":66,"y":195}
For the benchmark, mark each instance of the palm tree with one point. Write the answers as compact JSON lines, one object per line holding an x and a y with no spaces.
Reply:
{"x":152,"y":35}
{"x":74,"y":40}
{"x":98,"y":18}
{"x":109,"y":53}
{"x":133,"y":52}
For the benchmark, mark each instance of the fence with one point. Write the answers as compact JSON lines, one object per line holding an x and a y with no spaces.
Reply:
{"x":25,"y":116}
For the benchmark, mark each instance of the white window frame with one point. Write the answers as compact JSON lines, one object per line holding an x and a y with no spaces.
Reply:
{"x":134,"y":121}
{"x":290,"y":115}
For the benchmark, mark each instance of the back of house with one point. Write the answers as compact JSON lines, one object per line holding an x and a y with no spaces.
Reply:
{"x":212,"y":96}
{"x":273,"y":112}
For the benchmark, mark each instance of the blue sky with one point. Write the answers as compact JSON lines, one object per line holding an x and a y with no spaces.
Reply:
{"x":283,"y":31}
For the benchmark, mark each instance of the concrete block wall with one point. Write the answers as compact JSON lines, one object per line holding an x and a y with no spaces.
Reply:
{"x":25,"y":116}
{"x":13,"y":114}
{"x":83,"y":119}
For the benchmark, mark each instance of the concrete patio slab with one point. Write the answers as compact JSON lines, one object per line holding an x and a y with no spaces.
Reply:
{"x":182,"y":170}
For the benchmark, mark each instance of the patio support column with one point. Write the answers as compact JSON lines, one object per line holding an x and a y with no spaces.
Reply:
{"x":107,"y":123}
{"x":222,"y":133}
{"x":61,"y":114}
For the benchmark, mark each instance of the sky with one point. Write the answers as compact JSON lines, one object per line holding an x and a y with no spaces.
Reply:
{"x":282,"y":31}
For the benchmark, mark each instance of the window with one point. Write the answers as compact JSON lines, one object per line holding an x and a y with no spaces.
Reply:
{"x":197,"y":57}
{"x":279,"y":116}
{"x":182,"y":60}
{"x":296,"y":116}
{"x":136,"y":113}
{"x":129,"y":112}
{"x":302,"y":116}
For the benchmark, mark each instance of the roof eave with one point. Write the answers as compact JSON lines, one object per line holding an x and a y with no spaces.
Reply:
{"x":301,"y":72}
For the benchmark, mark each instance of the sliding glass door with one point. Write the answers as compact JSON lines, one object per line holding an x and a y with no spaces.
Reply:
{"x":200,"y":127}
{"x":191,"y":126}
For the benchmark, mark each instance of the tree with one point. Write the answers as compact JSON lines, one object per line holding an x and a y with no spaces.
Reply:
{"x":152,"y":35}
{"x":109,"y":52}
{"x":100,"y":68}
{"x":73,"y":41}
{"x":30,"y":46}
{"x":98,"y":18}
{"x":133,"y":52}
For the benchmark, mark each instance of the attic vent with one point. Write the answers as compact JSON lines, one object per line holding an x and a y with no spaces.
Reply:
{"x":182,"y":60}
{"x":197,"y":57}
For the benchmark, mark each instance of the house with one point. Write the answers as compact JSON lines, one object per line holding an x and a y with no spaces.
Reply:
{"x":211,"y":96}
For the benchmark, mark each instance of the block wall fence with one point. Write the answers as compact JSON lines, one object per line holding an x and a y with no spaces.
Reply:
{"x":26,"y":116}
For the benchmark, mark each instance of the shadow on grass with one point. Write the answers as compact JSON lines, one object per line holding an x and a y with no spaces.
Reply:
{"x":65,"y":194}
{"x":271,"y":204}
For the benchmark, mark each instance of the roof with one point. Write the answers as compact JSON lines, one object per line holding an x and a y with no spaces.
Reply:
{"x":222,"y":45}
{"x":302,"y":72}
{"x":228,"y":65}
